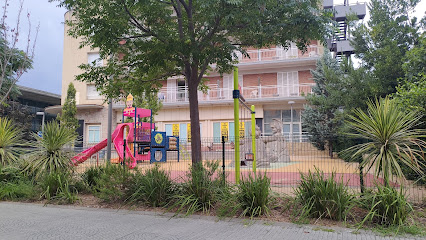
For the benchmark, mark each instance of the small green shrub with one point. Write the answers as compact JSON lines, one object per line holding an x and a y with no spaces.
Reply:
{"x":20,"y":190}
{"x":108,"y":182}
{"x":323,"y":197}
{"x":254,"y":195}
{"x":10,"y":174}
{"x":387,"y":206}
{"x":58,"y":187}
{"x":154,"y":188}
{"x":201,"y":190}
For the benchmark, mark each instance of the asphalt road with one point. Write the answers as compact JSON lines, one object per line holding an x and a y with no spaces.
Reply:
{"x":32,"y":221}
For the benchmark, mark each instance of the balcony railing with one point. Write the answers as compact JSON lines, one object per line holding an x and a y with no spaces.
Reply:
{"x":180,"y":94}
{"x":273,"y":54}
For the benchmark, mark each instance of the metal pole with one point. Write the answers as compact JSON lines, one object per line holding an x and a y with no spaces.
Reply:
{"x":134,"y":133}
{"x":42,"y":123}
{"x":236,"y":96}
{"x":223,"y":158}
{"x":109,"y":130}
{"x":253,"y":137}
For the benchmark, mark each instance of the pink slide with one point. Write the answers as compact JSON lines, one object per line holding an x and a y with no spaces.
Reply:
{"x":117,"y":139}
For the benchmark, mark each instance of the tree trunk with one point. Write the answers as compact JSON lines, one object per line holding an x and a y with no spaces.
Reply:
{"x":195,"y":120}
{"x":330,"y":149}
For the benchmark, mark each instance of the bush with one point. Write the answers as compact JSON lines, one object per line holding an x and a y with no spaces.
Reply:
{"x":10,"y":174}
{"x":387,"y":206}
{"x":58,"y":187}
{"x":321,"y":197}
{"x":154,"y":188}
{"x":20,"y":190}
{"x":254,"y":195}
{"x":107,"y":183}
{"x":201,"y":190}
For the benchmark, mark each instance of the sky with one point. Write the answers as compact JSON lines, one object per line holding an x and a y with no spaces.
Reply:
{"x":46,"y":74}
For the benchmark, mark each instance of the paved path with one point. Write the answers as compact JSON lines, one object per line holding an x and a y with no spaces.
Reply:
{"x":31,"y":221}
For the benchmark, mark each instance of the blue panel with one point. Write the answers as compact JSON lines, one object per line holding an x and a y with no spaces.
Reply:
{"x":158,"y":155}
{"x":183,"y":132}
{"x":231,"y":132}
{"x":216,"y":132}
{"x":158,"y":139}
{"x":169,"y":129}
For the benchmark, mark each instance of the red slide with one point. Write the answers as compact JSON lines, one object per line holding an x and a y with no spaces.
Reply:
{"x":83,"y":156}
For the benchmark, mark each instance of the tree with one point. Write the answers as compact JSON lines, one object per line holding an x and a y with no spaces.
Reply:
{"x":13,"y":61}
{"x":20,"y":115}
{"x":150,"y":101}
{"x":391,"y":138}
{"x":69,"y":110}
{"x":321,"y":117}
{"x":165,"y":38}
{"x":382,"y":43}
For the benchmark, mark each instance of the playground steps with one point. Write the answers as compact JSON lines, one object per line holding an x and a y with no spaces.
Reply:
{"x":304,"y":149}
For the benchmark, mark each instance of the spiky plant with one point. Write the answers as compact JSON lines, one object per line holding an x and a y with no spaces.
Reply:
{"x":50,"y":154}
{"x":391,"y":138}
{"x":10,"y":139}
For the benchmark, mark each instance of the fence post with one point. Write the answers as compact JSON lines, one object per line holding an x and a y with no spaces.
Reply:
{"x":223,"y":158}
{"x":124,"y":155}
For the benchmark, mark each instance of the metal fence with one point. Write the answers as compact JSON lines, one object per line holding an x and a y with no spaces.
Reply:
{"x":283,"y":161}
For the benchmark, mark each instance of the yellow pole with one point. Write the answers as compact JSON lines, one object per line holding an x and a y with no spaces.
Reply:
{"x":236,"y":96}
{"x":253,"y":137}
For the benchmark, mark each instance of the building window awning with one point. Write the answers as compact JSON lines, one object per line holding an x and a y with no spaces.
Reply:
{"x":58,"y":108}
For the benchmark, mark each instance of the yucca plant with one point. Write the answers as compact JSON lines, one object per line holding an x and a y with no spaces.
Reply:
{"x":10,"y":140}
{"x":391,"y":138}
{"x":50,"y":153}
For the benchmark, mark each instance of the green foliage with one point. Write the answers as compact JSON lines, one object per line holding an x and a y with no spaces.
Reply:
{"x":20,"y":115}
{"x":323,"y":197}
{"x":154,"y":188}
{"x":387,"y":206}
{"x":383,"y":42}
{"x":50,"y":153}
{"x":18,"y":190}
{"x":14,"y":185}
{"x":108,"y":182}
{"x":200,"y":191}
{"x":391,"y":138}
{"x":69,"y":110}
{"x":162,"y":39}
{"x":9,"y":141}
{"x":149,"y":100}
{"x":254,"y":195}
{"x":320,"y":118}
{"x":58,"y":187}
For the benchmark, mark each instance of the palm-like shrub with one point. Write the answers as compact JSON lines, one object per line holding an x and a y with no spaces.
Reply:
{"x":10,"y":139}
{"x":391,"y":138}
{"x":50,"y":154}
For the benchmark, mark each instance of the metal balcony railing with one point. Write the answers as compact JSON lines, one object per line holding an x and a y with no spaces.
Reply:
{"x":274,"y":54}
{"x":180,"y":94}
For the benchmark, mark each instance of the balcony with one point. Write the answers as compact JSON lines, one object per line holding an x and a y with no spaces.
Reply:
{"x":277,"y":54}
{"x":180,"y":95}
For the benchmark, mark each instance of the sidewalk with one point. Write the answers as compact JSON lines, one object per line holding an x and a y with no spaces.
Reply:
{"x":31,"y":221}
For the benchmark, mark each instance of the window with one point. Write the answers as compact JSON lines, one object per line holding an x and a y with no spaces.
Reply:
{"x":288,"y":84}
{"x":92,"y":93}
{"x":94,"y":132}
{"x":285,"y":117}
{"x":94,"y":57}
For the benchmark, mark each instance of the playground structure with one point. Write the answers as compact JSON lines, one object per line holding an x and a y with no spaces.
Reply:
{"x":136,"y":141}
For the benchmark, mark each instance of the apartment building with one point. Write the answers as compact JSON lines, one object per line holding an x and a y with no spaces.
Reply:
{"x":275,"y":80}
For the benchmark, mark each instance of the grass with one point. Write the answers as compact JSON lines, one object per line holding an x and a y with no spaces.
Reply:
{"x":254,"y":195}
{"x":323,"y":197}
